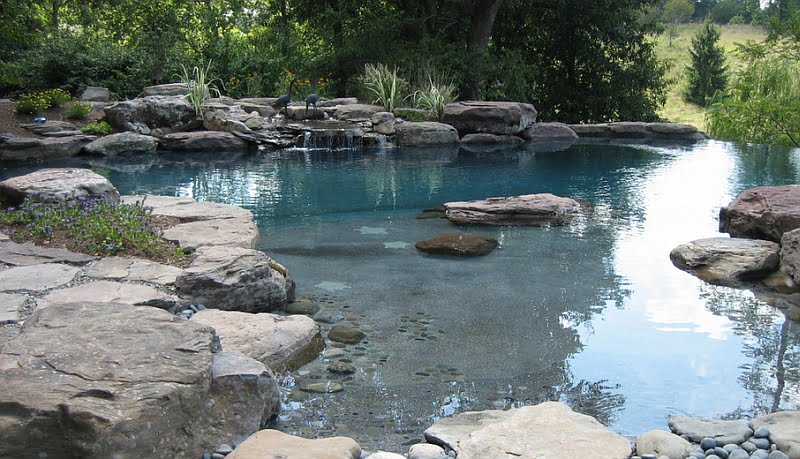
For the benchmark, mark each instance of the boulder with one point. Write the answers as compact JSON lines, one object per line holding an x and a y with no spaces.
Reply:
{"x":549,"y":132}
{"x":727,"y":261}
{"x":490,"y":142}
{"x":344,"y":333}
{"x":591,"y":130}
{"x":489,"y":117}
{"x":57,"y":184}
{"x":275,"y":444}
{"x":269,"y":101}
{"x":233,"y":279}
{"x":337,"y":101}
{"x":463,"y":245}
{"x":26,"y":149}
{"x":300,"y":112}
{"x":762,"y":213}
{"x":150,"y":113}
{"x":53,"y":128}
{"x":784,"y":430}
{"x":108,"y":380}
{"x":218,"y":120}
{"x":265,"y":111}
{"x":123,"y":143}
{"x":383,"y":123}
{"x":696,"y":429}
{"x":238,"y":385}
{"x":29,"y":254}
{"x":629,"y":129}
{"x":529,"y":210}
{"x":229,"y":232}
{"x":351,"y":112}
{"x":426,"y":133}
{"x":133,"y":269}
{"x":109,"y":292}
{"x":279,"y":342}
{"x":95,"y":94}
{"x":548,"y":430}
{"x":790,"y":254}
{"x":203,"y":141}
{"x":186,"y":209}
{"x":426,"y":451}
{"x":661,"y":443}
{"x":672,"y":129}
{"x":37,"y":278}
{"x":169,"y":89}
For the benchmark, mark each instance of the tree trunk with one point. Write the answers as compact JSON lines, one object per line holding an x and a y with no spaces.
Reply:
{"x":483,"y":15}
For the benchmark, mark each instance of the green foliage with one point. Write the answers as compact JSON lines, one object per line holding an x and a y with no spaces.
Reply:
{"x":93,"y":226}
{"x":434,"y":97}
{"x":79,"y":110}
{"x":200,"y":88}
{"x":410,"y":114}
{"x":677,"y":11}
{"x":29,"y":104}
{"x":56,"y":97}
{"x":97,"y":128}
{"x":707,"y":73}
{"x":388,"y":89}
{"x":762,"y":104}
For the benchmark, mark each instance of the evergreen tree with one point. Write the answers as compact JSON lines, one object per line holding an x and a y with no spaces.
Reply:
{"x":707,"y":74}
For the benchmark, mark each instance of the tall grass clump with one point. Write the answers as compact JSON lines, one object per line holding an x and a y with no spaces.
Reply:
{"x":200,"y":88}
{"x":761,"y":105}
{"x":435,"y":96}
{"x":385,"y":85}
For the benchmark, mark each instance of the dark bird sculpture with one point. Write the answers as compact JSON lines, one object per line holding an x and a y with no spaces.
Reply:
{"x":312,"y":99}
{"x":284,"y":100}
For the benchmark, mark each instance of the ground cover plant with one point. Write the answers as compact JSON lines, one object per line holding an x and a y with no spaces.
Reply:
{"x":93,"y":226}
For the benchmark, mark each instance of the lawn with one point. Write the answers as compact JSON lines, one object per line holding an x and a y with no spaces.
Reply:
{"x":676,"y":109}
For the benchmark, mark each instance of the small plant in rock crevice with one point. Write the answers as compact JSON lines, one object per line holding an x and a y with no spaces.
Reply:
{"x":97,"y":128}
{"x":200,"y":88}
{"x":385,"y":85}
{"x":78,"y":110}
{"x":90,"y":225}
{"x":435,"y":96}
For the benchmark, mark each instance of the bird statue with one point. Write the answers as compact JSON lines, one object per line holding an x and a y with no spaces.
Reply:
{"x":284,"y":100}
{"x":312,"y":100}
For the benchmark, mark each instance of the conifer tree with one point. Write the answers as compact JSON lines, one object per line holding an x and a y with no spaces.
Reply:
{"x":707,"y":73}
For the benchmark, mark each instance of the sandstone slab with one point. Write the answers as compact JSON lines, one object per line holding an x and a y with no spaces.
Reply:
{"x":762,"y":213}
{"x":489,"y":117}
{"x":10,"y":305}
{"x":123,"y":143}
{"x":239,"y":384}
{"x":548,"y":430}
{"x":30,"y":149}
{"x":426,"y":133}
{"x":727,"y":261}
{"x":233,"y":278}
{"x":784,"y":429}
{"x":203,"y":141}
{"x":383,"y":123}
{"x":37,"y":278}
{"x":529,"y":210}
{"x":133,"y":269}
{"x":230,"y":232}
{"x":696,"y":429}
{"x":167,"y":89}
{"x":109,"y":292}
{"x":29,"y":254}
{"x":51,"y":127}
{"x":279,"y":342}
{"x":57,"y":184}
{"x":106,"y":380}
{"x":663,"y":443}
{"x":187,"y":209}
{"x":272,"y":444}
{"x":462,"y":245}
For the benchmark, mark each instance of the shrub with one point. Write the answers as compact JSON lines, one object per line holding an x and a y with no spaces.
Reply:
{"x":29,"y":104}
{"x":413,"y":115}
{"x":97,"y":128}
{"x":78,"y":110}
{"x":434,"y":97}
{"x":56,"y":97}
{"x":200,"y":88}
{"x":389,"y":89}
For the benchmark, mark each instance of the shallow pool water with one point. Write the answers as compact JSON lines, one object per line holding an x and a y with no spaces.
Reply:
{"x":592,"y":313}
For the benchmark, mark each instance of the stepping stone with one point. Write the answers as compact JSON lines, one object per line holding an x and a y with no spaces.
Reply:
{"x":274,"y":444}
{"x":528,"y":210}
{"x":37,"y":278}
{"x":109,"y":292}
{"x":462,"y":245}
{"x":10,"y":305}
{"x":29,"y":254}
{"x":696,"y":429}
{"x":230,"y":232}
{"x":133,"y":269}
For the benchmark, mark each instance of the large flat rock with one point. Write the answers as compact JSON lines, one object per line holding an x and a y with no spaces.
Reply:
{"x":727,"y":261}
{"x":784,"y":429}
{"x":549,"y":430}
{"x":106,"y":380}
{"x":29,"y":254}
{"x":230,"y":232}
{"x":133,"y":269}
{"x":790,"y":254}
{"x":279,"y":342}
{"x":37,"y":278}
{"x":186,"y":209}
{"x":762,"y":213}
{"x":109,"y":292}
{"x":233,"y":278}
{"x":61,"y":184}
{"x":425,"y":133}
{"x":696,"y":429}
{"x":10,"y":305}
{"x":123,"y":143}
{"x":489,"y":117}
{"x":462,"y":245}
{"x":203,"y":141}
{"x":273,"y":444}
{"x":30,"y":149}
{"x":530,"y":210}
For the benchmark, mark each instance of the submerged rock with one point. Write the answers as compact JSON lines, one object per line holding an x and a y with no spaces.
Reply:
{"x":762,"y":213}
{"x":347,"y":334}
{"x":463,"y":245}
{"x":530,"y":210}
{"x":727,"y":261}
{"x":698,"y":429}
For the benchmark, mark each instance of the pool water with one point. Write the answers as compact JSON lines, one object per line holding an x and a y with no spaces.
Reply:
{"x":592,"y":313}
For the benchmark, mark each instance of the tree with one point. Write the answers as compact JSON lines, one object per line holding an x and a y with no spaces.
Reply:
{"x":707,"y":73}
{"x":676,"y":12}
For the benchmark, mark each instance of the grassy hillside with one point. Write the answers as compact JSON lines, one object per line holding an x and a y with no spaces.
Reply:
{"x":676,"y":109}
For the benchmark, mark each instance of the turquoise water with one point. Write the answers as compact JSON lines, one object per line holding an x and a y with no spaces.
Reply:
{"x":592,"y":313}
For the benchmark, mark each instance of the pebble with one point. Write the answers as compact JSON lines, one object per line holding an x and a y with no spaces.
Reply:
{"x":708,"y":443}
{"x":761,"y":443}
{"x":761,"y":432}
{"x":649,"y":456}
{"x":749,"y":447}
{"x":341,"y":368}
{"x":323,"y":387}
{"x":739,"y":454}
{"x":760,"y":454}
{"x":721,"y":452}
{"x":731,"y":447}
{"x":217,"y":456}
{"x":224,"y":449}
{"x":206,"y":455}
{"x":778,"y":455}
